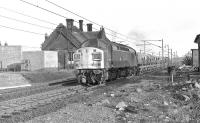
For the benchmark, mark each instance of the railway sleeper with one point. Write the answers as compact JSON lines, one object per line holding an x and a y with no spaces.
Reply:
{"x":61,"y":96}
{"x":2,"y":112}
{"x":19,"y":108}
{"x":4,"y":107}
{"x":41,"y":102}
{"x":16,"y":112}
{"x":27,"y":106}
{"x":9,"y":111}
{"x":34,"y":105}
{"x":4,"y":116}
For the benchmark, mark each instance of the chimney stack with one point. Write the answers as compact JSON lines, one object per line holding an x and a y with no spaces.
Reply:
{"x":46,"y":36}
{"x":89,"y":27}
{"x":70,"y":23}
{"x":6,"y":44}
{"x":81,"y":25}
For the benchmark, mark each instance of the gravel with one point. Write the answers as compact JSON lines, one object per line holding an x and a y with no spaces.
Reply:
{"x":78,"y":113}
{"x":147,"y":101}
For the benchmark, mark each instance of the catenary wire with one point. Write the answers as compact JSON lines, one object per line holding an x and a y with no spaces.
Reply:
{"x":81,"y":17}
{"x":21,"y":21}
{"x":60,"y":15}
{"x":85,"y":18}
{"x":13,"y":28}
{"x":20,"y":13}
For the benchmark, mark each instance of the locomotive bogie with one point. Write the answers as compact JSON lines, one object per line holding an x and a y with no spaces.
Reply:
{"x":91,"y":76}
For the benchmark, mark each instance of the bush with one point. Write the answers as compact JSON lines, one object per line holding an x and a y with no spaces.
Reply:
{"x":14,"y":67}
{"x":187,"y":60}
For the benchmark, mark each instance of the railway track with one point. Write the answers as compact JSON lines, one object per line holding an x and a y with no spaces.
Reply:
{"x":36,"y":103}
{"x":53,"y":85}
{"x":52,"y":100}
{"x":22,"y":92}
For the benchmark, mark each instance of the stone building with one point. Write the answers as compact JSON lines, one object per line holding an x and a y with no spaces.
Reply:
{"x":195,"y":57}
{"x":66,"y":39}
{"x":197,"y":40}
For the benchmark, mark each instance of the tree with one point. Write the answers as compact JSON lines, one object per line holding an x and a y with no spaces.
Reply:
{"x":187,"y":60}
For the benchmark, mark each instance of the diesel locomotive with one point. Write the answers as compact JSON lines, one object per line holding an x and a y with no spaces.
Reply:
{"x":99,"y":60}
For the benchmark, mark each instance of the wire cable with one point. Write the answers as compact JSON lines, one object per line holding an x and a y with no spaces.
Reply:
{"x":44,"y":9}
{"x":25,"y":22}
{"x":20,"y":13}
{"x":21,"y":30}
{"x":84,"y":18}
{"x":154,"y":45}
{"x":78,"y":22}
{"x":62,"y":15}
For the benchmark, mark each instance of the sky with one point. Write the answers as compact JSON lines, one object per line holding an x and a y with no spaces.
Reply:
{"x":177,"y":22}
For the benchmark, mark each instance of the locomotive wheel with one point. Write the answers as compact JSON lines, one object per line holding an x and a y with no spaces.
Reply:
{"x":82,"y":79}
{"x":97,"y":77}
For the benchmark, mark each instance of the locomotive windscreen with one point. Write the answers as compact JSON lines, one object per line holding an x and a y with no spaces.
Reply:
{"x":96,"y":56}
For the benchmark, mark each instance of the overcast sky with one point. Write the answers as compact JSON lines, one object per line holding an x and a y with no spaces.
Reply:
{"x":177,"y":22}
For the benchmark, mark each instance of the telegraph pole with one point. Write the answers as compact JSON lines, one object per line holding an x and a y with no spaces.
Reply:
{"x":144,"y":47}
{"x":168,"y":53}
{"x":174,"y":59}
{"x":159,"y":60}
{"x":159,"y":54}
{"x":171,"y":56}
{"x":162,"y":53}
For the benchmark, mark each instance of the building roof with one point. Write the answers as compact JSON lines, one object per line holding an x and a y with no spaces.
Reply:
{"x":76,"y":37}
{"x":83,"y":36}
{"x":197,"y":39}
{"x":194,"y":49}
{"x":61,"y":30}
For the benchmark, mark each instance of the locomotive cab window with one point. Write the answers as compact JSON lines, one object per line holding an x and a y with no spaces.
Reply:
{"x":70,"y":56}
{"x":96,"y":56}
{"x":77,"y":56}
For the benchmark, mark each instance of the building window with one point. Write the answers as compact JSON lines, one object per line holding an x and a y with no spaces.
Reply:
{"x":71,"y":56}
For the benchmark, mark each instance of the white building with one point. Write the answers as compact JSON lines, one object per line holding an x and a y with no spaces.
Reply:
{"x":10,"y":55}
{"x":40,"y":59}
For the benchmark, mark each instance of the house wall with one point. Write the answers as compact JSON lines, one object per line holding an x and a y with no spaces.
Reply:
{"x":50,"y":59}
{"x":64,"y":60}
{"x":65,"y":50}
{"x":41,"y":59}
{"x":195,"y":57}
{"x":60,"y":43}
{"x":35,"y":58}
{"x":10,"y":55}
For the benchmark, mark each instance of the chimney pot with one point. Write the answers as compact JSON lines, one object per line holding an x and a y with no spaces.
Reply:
{"x":46,"y":36}
{"x":81,"y":25}
{"x":6,"y":44}
{"x":69,"y":23}
{"x":89,"y":27}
